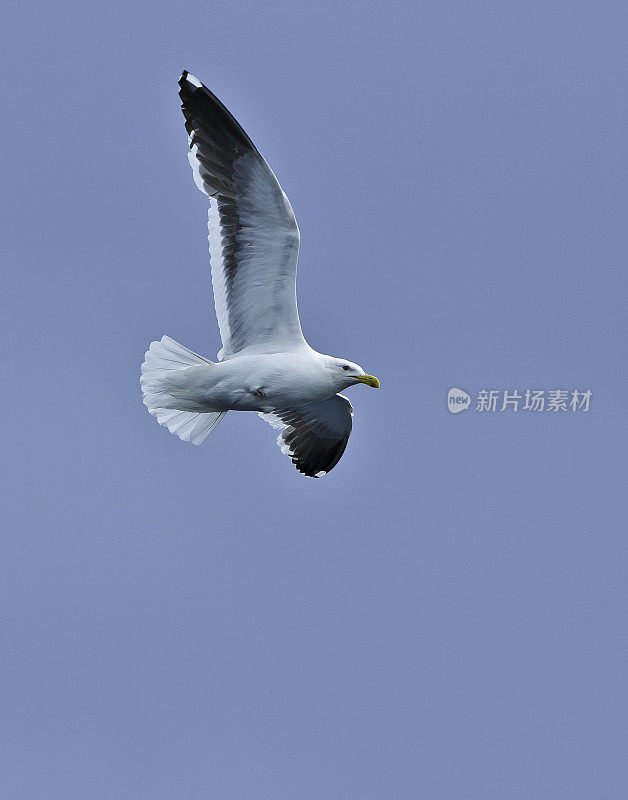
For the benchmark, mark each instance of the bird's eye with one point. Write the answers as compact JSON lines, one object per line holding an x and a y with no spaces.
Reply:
{"x":346,"y":367}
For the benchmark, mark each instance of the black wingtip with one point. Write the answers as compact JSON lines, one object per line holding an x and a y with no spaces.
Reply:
{"x":189,"y":82}
{"x":202,"y":108}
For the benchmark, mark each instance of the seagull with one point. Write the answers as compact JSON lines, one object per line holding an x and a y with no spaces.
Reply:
{"x":265,"y":364}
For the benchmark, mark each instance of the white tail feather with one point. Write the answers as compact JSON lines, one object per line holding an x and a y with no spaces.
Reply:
{"x":160,"y":360}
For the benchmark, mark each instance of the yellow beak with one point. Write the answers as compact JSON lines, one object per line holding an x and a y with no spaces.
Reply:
{"x":369,"y":380}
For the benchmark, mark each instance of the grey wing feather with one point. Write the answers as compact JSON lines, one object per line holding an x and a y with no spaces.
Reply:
{"x":253,"y":235}
{"x":315,"y":435}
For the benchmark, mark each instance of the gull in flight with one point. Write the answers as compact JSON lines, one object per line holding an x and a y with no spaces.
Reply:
{"x":265,"y":364}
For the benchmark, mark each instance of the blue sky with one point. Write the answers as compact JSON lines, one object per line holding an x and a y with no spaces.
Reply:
{"x":442,"y":616}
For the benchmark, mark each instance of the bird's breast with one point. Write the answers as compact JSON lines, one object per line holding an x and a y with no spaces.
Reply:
{"x":255,"y":383}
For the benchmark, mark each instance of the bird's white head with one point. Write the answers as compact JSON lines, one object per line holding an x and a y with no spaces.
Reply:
{"x":345,"y":373}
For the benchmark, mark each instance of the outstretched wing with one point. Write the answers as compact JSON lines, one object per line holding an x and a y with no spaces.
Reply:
{"x":253,"y":235}
{"x":314,"y":436}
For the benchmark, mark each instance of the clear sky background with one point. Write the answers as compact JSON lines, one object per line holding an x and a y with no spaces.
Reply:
{"x":443,"y":616}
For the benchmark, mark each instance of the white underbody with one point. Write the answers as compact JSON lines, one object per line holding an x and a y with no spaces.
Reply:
{"x":256,"y":382}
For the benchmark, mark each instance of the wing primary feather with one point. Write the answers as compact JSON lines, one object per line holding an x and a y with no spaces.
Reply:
{"x":314,"y":436}
{"x":253,"y":235}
